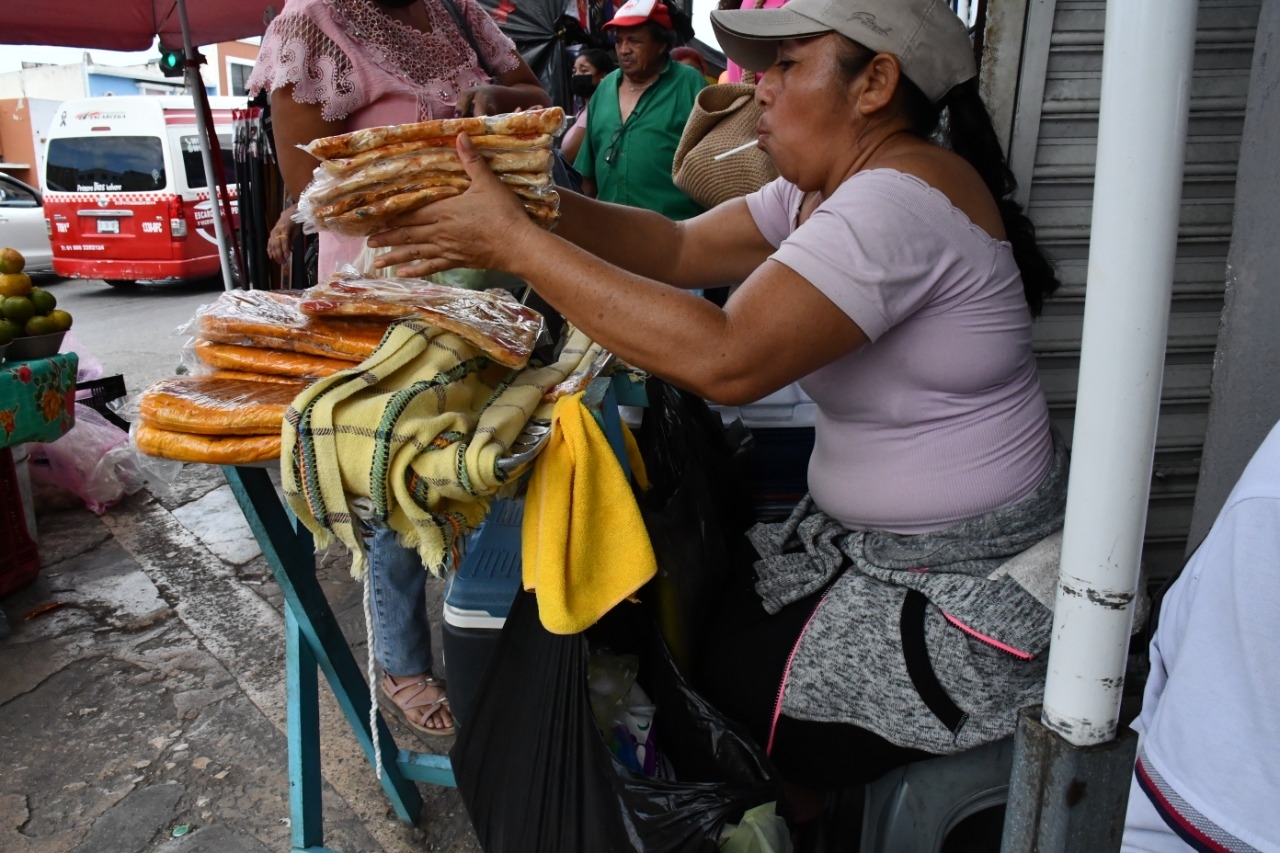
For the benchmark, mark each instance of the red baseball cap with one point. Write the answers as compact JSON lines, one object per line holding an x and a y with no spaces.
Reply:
{"x":633,"y":13}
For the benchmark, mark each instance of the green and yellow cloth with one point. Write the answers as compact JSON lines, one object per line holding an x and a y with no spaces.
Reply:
{"x":414,"y":433}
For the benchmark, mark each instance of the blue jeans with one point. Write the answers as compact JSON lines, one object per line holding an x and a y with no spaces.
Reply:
{"x":401,"y":630}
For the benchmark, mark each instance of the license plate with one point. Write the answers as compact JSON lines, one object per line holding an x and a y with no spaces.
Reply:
{"x":108,"y":226}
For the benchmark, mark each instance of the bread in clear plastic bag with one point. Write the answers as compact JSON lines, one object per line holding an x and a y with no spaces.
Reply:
{"x":212,"y":449}
{"x":369,"y":177}
{"x":211,"y":405}
{"x":263,"y":360}
{"x":493,"y":320}
{"x":270,"y":319}
{"x":543,"y":121}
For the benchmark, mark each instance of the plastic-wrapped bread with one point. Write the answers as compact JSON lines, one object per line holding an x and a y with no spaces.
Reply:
{"x":493,"y":144}
{"x":443,"y":167}
{"x":492,"y":320}
{"x":214,"y":406}
{"x":545,"y":121}
{"x":270,"y":319}
{"x":369,"y":177}
{"x":213,"y":449}
{"x":261,"y":360}
{"x":223,"y":373}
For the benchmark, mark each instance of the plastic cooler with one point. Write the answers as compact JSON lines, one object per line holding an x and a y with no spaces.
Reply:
{"x":477,"y":599}
{"x":19,"y":559}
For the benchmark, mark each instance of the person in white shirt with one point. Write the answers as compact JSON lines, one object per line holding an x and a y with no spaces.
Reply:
{"x":1208,"y":770}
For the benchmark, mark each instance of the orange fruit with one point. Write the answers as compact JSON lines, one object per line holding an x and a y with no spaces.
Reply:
{"x":43,"y":300}
{"x":40,"y":326}
{"x":15,"y":284}
{"x":61,"y":319}
{"x":11,"y":261}
{"x":18,"y":309}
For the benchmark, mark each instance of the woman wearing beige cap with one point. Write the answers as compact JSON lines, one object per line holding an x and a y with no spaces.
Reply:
{"x":901,"y":611}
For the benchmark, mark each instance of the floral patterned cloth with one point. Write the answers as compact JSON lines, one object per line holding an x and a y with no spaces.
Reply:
{"x":37,"y":399}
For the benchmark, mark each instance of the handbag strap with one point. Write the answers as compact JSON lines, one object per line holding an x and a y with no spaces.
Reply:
{"x":465,"y":29}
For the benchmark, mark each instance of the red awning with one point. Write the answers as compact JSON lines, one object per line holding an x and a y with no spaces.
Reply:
{"x":131,"y":24}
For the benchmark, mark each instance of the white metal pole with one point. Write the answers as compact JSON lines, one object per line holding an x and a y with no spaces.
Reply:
{"x":195,"y":83}
{"x":1146,"y":80}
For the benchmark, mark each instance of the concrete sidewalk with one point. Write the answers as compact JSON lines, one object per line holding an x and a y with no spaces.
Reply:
{"x":147,"y":712}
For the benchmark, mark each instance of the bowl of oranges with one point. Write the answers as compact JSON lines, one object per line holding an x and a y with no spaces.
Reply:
{"x":31,"y":323}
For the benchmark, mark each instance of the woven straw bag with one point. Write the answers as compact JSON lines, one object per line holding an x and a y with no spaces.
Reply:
{"x":723,"y":117}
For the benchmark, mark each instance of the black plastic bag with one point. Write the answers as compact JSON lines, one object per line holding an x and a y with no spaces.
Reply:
{"x":696,"y":512}
{"x":536,"y":776}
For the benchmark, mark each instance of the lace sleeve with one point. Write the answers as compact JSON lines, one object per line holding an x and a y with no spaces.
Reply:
{"x":295,"y":50}
{"x":500,"y":54}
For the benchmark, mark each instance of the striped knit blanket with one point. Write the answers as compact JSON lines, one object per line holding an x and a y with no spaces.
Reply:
{"x":414,"y":433}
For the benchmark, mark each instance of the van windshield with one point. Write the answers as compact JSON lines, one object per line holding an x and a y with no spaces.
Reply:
{"x":193,"y":160}
{"x":99,"y":164}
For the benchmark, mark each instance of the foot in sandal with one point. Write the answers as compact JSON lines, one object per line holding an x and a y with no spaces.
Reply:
{"x":420,"y":701}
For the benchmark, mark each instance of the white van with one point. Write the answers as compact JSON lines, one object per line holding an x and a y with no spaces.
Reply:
{"x":125,"y":190}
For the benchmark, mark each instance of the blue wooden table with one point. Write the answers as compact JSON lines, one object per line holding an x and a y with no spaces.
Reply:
{"x":314,"y":642}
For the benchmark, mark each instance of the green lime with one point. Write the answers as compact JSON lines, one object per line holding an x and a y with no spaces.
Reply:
{"x":40,"y":326}
{"x":8,"y":331}
{"x":61,"y":319}
{"x":18,"y":309}
{"x":43,"y":300}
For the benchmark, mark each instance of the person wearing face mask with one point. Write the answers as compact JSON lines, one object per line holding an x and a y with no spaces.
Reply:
{"x":589,"y":69}
{"x":333,"y":66}
{"x":638,"y":114}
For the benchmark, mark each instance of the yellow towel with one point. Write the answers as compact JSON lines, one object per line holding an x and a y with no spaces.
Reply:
{"x":584,"y":544}
{"x":414,"y":433}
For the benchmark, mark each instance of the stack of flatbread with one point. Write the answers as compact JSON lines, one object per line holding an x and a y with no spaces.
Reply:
{"x":492,"y":320}
{"x":368,"y":177}
{"x":255,"y":351}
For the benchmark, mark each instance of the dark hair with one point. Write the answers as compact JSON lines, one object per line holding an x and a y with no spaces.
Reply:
{"x":600,"y":60}
{"x":661,"y":34}
{"x":960,"y":121}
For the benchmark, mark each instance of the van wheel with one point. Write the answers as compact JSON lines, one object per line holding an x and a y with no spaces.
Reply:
{"x":121,"y":282}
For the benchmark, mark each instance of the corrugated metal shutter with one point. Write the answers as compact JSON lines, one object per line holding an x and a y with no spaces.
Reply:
{"x":1053,"y":151}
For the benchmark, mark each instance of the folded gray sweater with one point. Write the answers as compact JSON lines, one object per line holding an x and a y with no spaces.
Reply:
{"x":989,"y":583}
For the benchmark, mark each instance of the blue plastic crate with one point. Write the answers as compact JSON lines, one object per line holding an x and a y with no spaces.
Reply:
{"x":480,"y":592}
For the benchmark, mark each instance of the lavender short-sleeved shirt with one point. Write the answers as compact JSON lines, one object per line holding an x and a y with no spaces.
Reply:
{"x":941,"y":416}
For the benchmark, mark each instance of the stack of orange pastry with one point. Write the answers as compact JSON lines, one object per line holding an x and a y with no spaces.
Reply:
{"x":370,"y":176}
{"x":255,"y":352}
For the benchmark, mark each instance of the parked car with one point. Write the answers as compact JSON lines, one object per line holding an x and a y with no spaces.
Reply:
{"x":22,"y":224}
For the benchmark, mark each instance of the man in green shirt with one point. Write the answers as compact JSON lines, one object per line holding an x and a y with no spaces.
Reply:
{"x":637,"y":114}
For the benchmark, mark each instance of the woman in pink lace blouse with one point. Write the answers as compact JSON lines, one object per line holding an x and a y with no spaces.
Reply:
{"x":333,"y":66}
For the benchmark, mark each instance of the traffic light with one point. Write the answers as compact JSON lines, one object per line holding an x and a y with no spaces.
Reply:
{"x":172,"y":62}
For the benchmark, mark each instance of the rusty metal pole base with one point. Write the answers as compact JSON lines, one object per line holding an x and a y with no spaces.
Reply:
{"x":1065,"y":798}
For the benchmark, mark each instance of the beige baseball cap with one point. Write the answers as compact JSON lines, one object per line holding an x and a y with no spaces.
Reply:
{"x":926,"y":36}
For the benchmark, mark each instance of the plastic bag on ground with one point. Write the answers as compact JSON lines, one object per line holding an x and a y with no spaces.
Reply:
{"x":536,"y":776}
{"x":93,"y":461}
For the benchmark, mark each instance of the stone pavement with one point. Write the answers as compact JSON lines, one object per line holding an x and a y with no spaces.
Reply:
{"x":147,"y":711}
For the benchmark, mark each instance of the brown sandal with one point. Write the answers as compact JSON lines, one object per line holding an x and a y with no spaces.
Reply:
{"x":414,"y":705}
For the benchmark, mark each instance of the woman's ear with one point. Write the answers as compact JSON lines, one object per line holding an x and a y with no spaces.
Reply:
{"x":879,"y":83}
